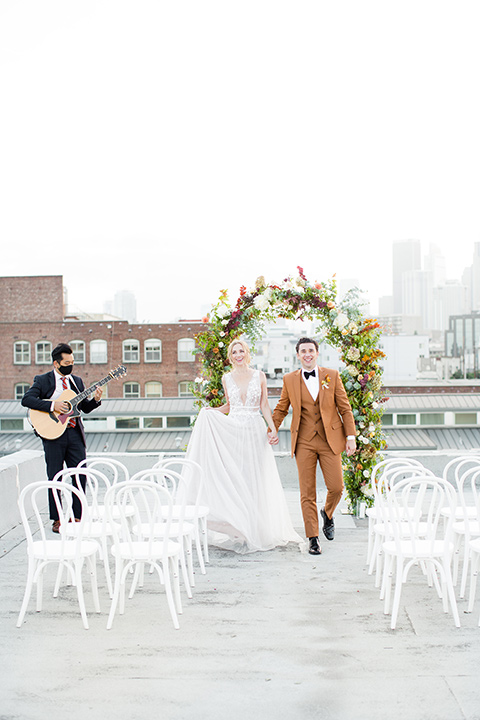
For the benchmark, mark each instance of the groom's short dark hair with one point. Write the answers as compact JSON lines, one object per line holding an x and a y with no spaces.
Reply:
{"x":304,"y":341}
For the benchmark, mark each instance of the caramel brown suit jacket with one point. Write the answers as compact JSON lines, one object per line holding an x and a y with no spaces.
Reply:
{"x":335,"y":410}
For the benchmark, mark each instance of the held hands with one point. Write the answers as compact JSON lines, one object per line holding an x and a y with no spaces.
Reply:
{"x":272,"y":436}
{"x":98,"y":394}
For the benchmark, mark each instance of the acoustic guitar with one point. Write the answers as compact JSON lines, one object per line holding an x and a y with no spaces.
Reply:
{"x":50,"y":425}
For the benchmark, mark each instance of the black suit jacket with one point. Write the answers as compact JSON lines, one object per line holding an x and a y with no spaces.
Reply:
{"x":38,"y":397}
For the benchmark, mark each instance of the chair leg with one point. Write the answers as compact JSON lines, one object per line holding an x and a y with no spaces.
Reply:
{"x":183,"y":565}
{"x":473,"y":580}
{"x":456,"y":556}
{"x":370,"y":542}
{"x":80,"y":595}
{"x":199,"y":549}
{"x":116,"y":592}
{"x":106,"y":565}
{"x":398,"y":592}
{"x":451,"y":592}
{"x":39,"y":584}
{"x":388,"y":575}
{"x":28,"y":592}
{"x":92,"y":561}
{"x":205,"y":539}
{"x":169,"y":594}
{"x":466,"y":561}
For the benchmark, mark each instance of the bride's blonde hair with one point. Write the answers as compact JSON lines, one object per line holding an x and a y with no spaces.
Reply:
{"x":244,"y":345}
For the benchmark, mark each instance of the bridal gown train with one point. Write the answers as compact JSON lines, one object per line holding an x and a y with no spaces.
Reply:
{"x":248,"y":508}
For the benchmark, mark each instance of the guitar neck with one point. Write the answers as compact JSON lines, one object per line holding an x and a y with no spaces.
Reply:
{"x":81,"y":396}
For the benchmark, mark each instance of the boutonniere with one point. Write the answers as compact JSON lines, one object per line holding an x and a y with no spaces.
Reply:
{"x":325,"y":383}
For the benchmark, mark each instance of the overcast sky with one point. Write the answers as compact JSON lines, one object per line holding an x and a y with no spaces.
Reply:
{"x":176,"y":148}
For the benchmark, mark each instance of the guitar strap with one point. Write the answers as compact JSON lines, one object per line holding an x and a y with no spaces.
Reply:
{"x":74,"y":387}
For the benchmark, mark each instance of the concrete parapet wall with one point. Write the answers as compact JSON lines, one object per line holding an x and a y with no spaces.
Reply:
{"x":17,"y":471}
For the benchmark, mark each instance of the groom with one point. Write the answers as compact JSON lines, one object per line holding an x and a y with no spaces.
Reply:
{"x":322,"y":428}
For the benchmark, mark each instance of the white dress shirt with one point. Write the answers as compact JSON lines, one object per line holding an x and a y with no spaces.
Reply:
{"x":313,"y":383}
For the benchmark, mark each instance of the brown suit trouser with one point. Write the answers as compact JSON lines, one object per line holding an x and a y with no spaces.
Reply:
{"x":307,"y":453}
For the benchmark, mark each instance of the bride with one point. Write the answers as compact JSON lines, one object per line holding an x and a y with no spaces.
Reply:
{"x":248,"y":509}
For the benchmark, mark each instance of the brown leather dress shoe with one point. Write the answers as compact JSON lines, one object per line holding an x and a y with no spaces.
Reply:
{"x":56,"y":526}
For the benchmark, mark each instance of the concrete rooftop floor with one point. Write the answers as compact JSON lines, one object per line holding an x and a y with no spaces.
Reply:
{"x":279,"y":635}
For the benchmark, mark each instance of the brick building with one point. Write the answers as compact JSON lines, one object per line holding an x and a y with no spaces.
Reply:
{"x":158,"y":357}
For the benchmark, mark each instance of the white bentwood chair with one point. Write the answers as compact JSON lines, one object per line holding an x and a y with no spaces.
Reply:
{"x":379,"y":481}
{"x":96,"y":526}
{"x":385,"y":475}
{"x":190,"y":493}
{"x":152,"y":504}
{"x":468,"y":528}
{"x":180,"y":530}
{"x":69,"y":553}
{"x":417,"y":503}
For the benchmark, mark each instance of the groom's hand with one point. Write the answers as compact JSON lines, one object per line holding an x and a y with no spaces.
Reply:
{"x":272,"y":437}
{"x":350,"y":447}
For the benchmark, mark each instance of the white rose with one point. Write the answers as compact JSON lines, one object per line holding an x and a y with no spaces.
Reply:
{"x":261,"y":302}
{"x":341,"y":321}
{"x":268,"y":293}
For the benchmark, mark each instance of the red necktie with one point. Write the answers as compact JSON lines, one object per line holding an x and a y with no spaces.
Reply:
{"x":72,"y":422}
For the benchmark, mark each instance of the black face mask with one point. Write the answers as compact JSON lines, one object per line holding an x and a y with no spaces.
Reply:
{"x":65,"y":369}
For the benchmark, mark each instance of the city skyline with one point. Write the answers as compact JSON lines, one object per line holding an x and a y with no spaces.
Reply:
{"x":178,"y":149}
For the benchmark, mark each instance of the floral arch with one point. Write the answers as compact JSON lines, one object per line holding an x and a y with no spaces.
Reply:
{"x":341,"y":325}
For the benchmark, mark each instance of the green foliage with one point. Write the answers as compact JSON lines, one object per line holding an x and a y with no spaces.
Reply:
{"x":342,"y":325}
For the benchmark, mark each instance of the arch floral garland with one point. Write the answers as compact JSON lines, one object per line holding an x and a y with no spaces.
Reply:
{"x":342,"y":325}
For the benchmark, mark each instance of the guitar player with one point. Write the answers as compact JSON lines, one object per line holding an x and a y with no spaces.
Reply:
{"x":70,"y":448}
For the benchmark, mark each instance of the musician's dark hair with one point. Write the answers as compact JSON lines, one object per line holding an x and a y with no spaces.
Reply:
{"x":305,"y":340}
{"x":58,"y":351}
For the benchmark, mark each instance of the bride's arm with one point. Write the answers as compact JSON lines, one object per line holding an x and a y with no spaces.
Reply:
{"x":266,"y":412}
{"x":225,"y":409}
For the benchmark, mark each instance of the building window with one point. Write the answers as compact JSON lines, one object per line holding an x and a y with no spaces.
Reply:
{"x":20,"y":390}
{"x":186,"y":346}
{"x":432,"y":418}
{"x":387,"y":419}
{"x":466,"y":418}
{"x":132,"y":423}
{"x":98,"y":352}
{"x":43,"y":353}
{"x":178,"y":422}
{"x":184,"y":389}
{"x":406,"y":419}
{"x":131,"y":390}
{"x":11,"y":424}
{"x":131,"y":351}
{"x":153,"y":423}
{"x":78,"y":350}
{"x":153,"y":350}
{"x":153,"y":389}
{"x":21,"y":353}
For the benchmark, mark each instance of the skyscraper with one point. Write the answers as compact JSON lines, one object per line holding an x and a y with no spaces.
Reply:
{"x":406,"y":258}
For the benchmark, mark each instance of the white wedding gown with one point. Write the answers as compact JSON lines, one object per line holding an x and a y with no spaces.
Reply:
{"x":248,"y":509}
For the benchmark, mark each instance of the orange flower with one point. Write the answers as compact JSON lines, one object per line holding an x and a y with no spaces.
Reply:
{"x":216,"y":350}
{"x":205,"y":319}
{"x":214,"y":392}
